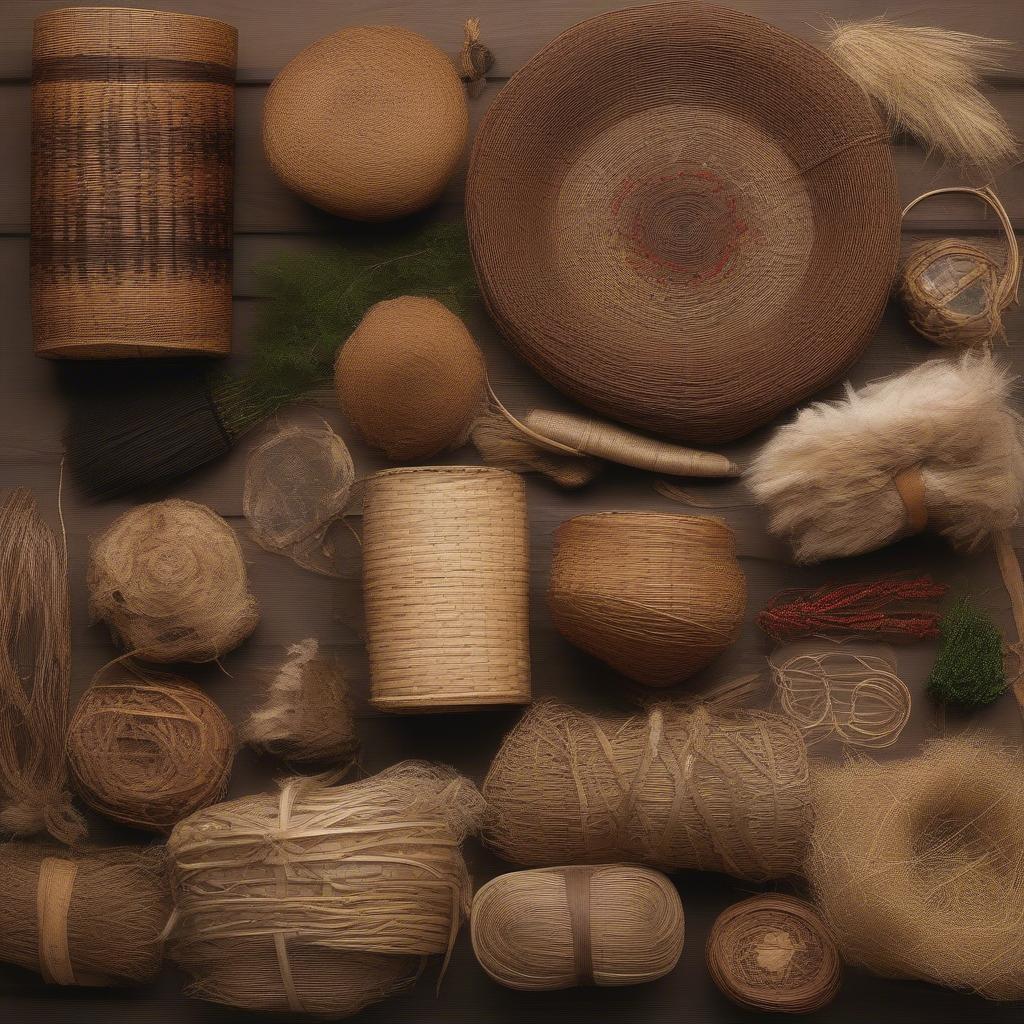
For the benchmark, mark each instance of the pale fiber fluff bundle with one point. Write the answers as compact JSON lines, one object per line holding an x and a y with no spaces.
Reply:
{"x":926,"y":81}
{"x":828,"y":477}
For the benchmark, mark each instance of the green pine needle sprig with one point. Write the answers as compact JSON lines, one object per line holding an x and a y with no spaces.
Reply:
{"x":969,"y":669}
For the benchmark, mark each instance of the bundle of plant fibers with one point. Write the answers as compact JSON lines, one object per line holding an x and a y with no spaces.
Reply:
{"x":147,"y":751}
{"x":307,"y":717}
{"x":322,"y":899}
{"x":89,"y":917}
{"x":969,"y":667}
{"x":937,"y":447}
{"x":170,"y":582}
{"x":918,"y":865}
{"x":586,"y":924}
{"x":926,"y":80}
{"x":35,"y":672}
{"x":675,"y":787}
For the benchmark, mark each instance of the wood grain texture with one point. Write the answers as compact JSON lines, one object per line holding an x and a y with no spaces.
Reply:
{"x":33,"y":399}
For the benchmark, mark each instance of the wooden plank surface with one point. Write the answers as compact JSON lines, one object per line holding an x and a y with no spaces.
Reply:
{"x":33,"y":402}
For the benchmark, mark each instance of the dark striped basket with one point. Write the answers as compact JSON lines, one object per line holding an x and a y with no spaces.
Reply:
{"x":132,"y":178}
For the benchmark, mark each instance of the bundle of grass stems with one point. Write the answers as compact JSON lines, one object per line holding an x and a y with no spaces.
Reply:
{"x":675,"y":787}
{"x":918,"y":865}
{"x":90,"y":917}
{"x":322,"y":899}
{"x":553,"y":928}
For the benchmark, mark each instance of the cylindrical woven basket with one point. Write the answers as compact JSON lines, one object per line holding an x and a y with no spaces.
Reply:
{"x":445,"y":584}
{"x":132,"y":177}
{"x":655,"y":596}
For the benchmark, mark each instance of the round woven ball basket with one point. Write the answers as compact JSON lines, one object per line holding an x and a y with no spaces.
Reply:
{"x":133,"y":116}
{"x":684,"y":218}
{"x":445,"y":587}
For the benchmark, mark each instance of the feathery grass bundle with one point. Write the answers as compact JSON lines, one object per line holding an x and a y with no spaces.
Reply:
{"x":926,"y":80}
{"x":587,"y":924}
{"x":88,"y":917}
{"x":969,"y":667}
{"x":35,"y":675}
{"x":307,"y":717}
{"x":147,"y":751}
{"x":936,"y":447}
{"x":322,"y":899}
{"x":170,"y":582}
{"x":918,"y":865}
{"x":673,"y":787}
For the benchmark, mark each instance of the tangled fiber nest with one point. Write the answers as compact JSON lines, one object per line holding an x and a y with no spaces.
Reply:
{"x":655,"y":596}
{"x":553,"y":928}
{"x":297,"y":484}
{"x":148,"y":751}
{"x":918,"y":865}
{"x":35,"y":675}
{"x":322,"y":899}
{"x":92,"y":917}
{"x":169,"y":580}
{"x":307,"y":717}
{"x":674,"y":787}
{"x":774,"y":953}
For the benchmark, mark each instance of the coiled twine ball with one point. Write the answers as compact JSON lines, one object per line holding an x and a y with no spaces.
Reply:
{"x":368,"y":123}
{"x":149,"y":752}
{"x":170,"y":582}
{"x":657,"y":597}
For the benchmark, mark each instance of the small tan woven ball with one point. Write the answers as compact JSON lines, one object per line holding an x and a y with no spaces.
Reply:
{"x":410,"y":378}
{"x":367,"y":123}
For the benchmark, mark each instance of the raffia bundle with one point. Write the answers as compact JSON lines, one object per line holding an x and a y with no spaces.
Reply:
{"x":773,"y":953}
{"x":674,"y":787}
{"x":554,"y":928}
{"x":148,"y":751}
{"x":91,"y":917}
{"x":169,"y":580}
{"x":655,"y":596}
{"x":322,"y":899}
{"x":35,"y":675}
{"x":307,"y":717}
{"x":918,"y":865}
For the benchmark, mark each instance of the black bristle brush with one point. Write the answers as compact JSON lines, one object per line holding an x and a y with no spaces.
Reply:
{"x":149,"y":432}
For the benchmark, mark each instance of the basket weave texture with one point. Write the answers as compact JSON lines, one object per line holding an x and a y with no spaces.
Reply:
{"x":684,"y":218}
{"x":446,"y":585}
{"x":132,"y":180}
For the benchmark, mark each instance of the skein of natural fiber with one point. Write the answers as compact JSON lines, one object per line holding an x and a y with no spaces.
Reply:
{"x":446,"y":588}
{"x":918,"y":865}
{"x":147,"y":751}
{"x":307,"y":717}
{"x":773,"y":953}
{"x":35,"y":676}
{"x":655,"y":596}
{"x":92,"y":917}
{"x":133,"y":121}
{"x":675,"y":787}
{"x":402,"y":131}
{"x":322,"y":899}
{"x":554,"y":928}
{"x":170,"y":582}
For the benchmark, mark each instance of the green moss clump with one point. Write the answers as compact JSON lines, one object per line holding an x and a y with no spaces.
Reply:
{"x":969,"y":669}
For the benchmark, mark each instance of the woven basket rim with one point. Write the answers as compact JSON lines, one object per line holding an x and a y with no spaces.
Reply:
{"x":624,"y":514}
{"x":448,"y":470}
{"x":144,"y":13}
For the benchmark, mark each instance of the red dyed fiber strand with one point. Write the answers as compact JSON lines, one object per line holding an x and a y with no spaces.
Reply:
{"x":886,"y":607}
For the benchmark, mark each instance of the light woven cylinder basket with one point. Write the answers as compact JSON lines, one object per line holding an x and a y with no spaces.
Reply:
{"x":132,"y":179}
{"x":446,"y":584}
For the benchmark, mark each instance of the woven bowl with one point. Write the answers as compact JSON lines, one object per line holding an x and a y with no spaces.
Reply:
{"x":684,"y":218}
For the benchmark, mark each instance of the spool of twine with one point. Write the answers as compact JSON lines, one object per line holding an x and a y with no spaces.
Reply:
{"x":445,"y":586}
{"x":655,"y":596}
{"x":773,"y":953}
{"x":132,"y":177}
{"x":554,"y":928}
{"x":149,"y":752}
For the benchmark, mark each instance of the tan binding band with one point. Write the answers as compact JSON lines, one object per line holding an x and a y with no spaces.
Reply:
{"x":577,"y":895}
{"x":53,"y":900}
{"x":910,"y":484}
